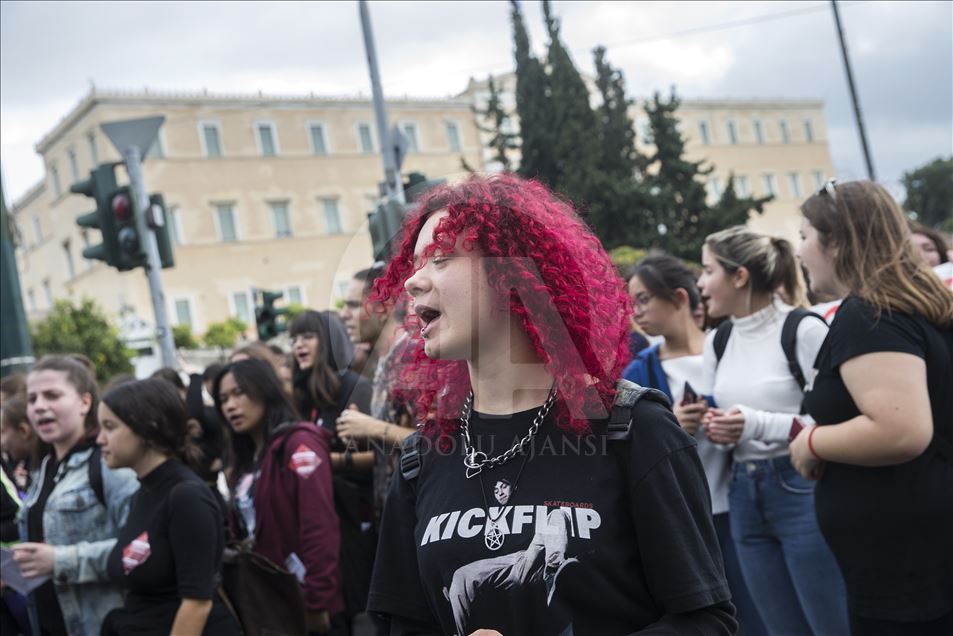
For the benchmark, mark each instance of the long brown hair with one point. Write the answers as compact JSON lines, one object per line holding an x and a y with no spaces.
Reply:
{"x":873,"y":254}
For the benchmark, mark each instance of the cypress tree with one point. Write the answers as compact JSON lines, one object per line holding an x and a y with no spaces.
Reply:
{"x":534,"y":107}
{"x":495,"y":117}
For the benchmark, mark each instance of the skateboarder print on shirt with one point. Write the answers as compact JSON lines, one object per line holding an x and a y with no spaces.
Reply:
{"x":476,"y":588}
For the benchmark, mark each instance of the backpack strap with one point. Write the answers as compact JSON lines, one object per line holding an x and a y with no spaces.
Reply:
{"x":619,"y":426}
{"x":789,"y":341}
{"x":410,"y":456}
{"x":95,"y":474}
{"x":722,"y":333}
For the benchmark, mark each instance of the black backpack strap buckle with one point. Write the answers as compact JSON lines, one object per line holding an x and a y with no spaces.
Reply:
{"x":628,"y":394}
{"x":410,"y":457}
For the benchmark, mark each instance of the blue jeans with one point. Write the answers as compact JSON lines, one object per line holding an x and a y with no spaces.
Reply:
{"x":790,"y":572}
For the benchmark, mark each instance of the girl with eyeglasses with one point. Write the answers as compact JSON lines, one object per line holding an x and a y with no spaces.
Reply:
{"x":882,"y":450}
{"x":667,"y":302}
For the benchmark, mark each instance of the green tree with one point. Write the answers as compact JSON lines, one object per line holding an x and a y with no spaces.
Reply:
{"x":495,"y":118}
{"x":183,"y":338}
{"x":617,"y":198}
{"x":930,"y":193}
{"x":534,"y":107}
{"x":575,"y":147}
{"x":679,"y":217}
{"x":83,"y":329}
{"x":224,"y":335}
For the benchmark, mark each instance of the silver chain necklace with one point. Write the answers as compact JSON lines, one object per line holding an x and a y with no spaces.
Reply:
{"x":475,"y":460}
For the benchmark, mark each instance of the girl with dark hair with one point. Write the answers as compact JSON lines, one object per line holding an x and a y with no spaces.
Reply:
{"x":280,"y":484}
{"x":514,"y":512}
{"x":74,"y":508}
{"x":788,"y":568}
{"x":666,"y":300}
{"x":883,"y":447}
{"x":169,"y":552}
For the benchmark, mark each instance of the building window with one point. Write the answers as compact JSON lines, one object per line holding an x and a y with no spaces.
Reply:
{"x":241,"y":307}
{"x":93,"y":150}
{"x":714,"y":189}
{"x":48,"y":293}
{"x":211,"y":139}
{"x":31,"y":299}
{"x":332,"y":216}
{"x":182,"y":308}
{"x":55,"y":179}
{"x":453,"y":135}
{"x":73,"y":165}
{"x":364,"y":139}
{"x":37,"y":230}
{"x":742,"y":187}
{"x":175,"y":225}
{"x":785,"y":131}
{"x":732,"y":133}
{"x":157,"y":149}
{"x":319,"y":144}
{"x":225,"y":215}
{"x":818,"y":180}
{"x":68,"y":256}
{"x":703,"y":132}
{"x":282,"y":218}
{"x":758,"y":131}
{"x":770,"y":184}
{"x":295,"y":297}
{"x":267,"y":139}
{"x":409,"y":129}
{"x":794,"y":182}
{"x":808,"y":131}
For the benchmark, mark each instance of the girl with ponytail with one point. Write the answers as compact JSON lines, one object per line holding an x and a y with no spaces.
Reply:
{"x":755,"y":282}
{"x":169,"y":553}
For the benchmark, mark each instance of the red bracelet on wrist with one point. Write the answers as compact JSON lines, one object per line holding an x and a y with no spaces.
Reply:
{"x":810,"y":444}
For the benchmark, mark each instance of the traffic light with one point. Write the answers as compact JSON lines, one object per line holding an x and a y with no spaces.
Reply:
{"x":99,"y":187}
{"x":130,"y":254}
{"x":266,"y":315}
{"x":158,"y":211}
{"x":384,"y":223}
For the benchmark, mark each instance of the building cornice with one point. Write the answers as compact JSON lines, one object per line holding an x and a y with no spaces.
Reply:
{"x":148,"y":97}
{"x":28,"y":197}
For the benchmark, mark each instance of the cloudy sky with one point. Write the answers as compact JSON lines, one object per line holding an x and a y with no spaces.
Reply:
{"x":902,"y":53}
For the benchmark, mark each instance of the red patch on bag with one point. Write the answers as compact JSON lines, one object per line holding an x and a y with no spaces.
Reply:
{"x":136,"y":553}
{"x":304,"y":461}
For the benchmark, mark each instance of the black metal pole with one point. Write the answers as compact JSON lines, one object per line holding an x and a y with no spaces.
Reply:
{"x":853,"y":94}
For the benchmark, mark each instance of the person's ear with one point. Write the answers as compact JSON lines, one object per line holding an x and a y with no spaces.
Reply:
{"x":741,"y":277}
{"x":87,"y":399}
{"x":681,"y":298}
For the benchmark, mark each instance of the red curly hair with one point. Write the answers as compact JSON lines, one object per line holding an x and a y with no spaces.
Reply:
{"x":560,"y":282}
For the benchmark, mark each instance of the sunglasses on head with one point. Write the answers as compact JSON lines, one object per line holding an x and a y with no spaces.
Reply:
{"x":828,"y":189}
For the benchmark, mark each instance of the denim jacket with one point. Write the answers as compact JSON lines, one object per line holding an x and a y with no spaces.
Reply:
{"x":83,"y":533}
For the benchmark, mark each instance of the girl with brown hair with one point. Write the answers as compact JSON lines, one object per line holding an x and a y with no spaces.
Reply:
{"x":883,"y":447}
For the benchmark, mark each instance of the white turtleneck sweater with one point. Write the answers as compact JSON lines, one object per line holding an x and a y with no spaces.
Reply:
{"x":753,"y":375}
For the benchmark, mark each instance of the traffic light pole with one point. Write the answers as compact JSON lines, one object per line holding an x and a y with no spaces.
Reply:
{"x":395,"y":187}
{"x":141,"y":206}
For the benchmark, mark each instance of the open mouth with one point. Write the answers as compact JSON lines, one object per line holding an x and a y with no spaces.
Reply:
{"x":428,"y":316}
{"x":46,"y":421}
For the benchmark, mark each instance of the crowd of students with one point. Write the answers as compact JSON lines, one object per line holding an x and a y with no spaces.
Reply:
{"x":772,"y":469}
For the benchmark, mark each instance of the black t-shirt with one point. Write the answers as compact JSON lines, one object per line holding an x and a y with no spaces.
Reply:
{"x":603,"y":537}
{"x":890,"y":527}
{"x":169,"y":549}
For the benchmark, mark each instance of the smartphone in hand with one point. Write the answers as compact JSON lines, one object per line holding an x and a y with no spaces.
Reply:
{"x":689,"y":396}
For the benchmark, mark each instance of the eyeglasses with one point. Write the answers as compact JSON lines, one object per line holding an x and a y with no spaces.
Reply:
{"x":828,"y":189}
{"x":641,"y":300}
{"x":304,"y":335}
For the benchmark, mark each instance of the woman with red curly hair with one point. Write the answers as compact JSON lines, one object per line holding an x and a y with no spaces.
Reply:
{"x":513,"y":512}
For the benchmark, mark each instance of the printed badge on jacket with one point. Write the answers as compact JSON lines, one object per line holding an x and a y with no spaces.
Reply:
{"x":304,"y":461}
{"x":136,"y":553}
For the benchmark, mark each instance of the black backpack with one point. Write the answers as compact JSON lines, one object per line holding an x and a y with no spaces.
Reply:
{"x":95,"y":472}
{"x":788,"y":341}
